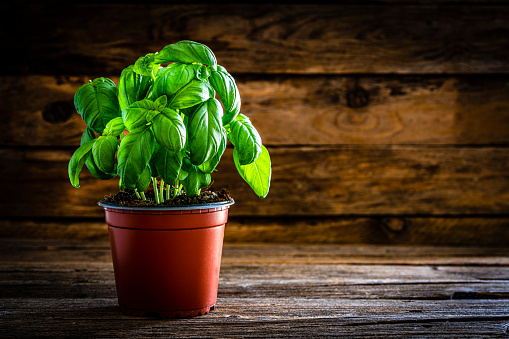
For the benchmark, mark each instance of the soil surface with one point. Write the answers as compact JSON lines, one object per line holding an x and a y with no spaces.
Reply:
{"x":129,"y":198}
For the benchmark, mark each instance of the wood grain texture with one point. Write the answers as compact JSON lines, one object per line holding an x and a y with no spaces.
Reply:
{"x":305,"y":181}
{"x":451,"y":231}
{"x":262,"y":38}
{"x":53,"y":287}
{"x":297,"y":110}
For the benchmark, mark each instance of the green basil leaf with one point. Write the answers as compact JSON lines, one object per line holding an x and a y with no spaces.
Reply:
{"x":97,"y":103}
{"x":205,"y":131}
{"x":257,"y":174}
{"x":114,"y":127}
{"x":147,"y":65}
{"x":134,"y":154}
{"x":210,"y":165}
{"x":191,"y":94}
{"x":144,"y":181}
{"x":140,"y":112}
{"x":78,"y":160}
{"x":87,"y":136}
{"x":195,"y":180}
{"x":132,"y":87}
{"x":104,"y":151}
{"x":171,"y":79}
{"x":169,"y":130}
{"x":168,"y":164}
{"x":225,"y":86}
{"x":244,"y":136}
{"x":187,"y":52}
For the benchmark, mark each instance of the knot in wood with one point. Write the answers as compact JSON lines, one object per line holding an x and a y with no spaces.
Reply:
{"x":57,"y":112}
{"x":357,"y":97}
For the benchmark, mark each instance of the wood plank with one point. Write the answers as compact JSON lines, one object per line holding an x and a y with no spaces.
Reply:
{"x":268,"y":38}
{"x":470,"y":231}
{"x":328,"y":181}
{"x":238,"y":317}
{"x":297,"y":110}
{"x":78,"y":251}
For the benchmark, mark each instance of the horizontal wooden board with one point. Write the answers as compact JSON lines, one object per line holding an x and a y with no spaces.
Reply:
{"x":305,"y":181}
{"x":54,"y":287}
{"x":469,"y":231}
{"x":269,"y":38}
{"x":297,"y":110}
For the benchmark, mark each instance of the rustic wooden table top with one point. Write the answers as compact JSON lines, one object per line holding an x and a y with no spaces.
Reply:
{"x":66,"y":289}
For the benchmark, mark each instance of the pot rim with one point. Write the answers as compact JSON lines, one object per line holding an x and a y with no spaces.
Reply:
{"x":168,"y":207}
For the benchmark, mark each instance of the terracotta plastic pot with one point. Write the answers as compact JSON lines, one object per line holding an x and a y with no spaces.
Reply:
{"x":167,"y":259}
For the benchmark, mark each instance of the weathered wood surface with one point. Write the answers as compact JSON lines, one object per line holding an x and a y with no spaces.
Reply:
{"x":403,"y":230}
{"x":55,"y":288}
{"x":305,"y":181}
{"x":268,"y":38}
{"x":297,"y":110}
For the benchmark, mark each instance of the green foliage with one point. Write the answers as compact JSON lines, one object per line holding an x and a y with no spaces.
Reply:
{"x":165,"y":122}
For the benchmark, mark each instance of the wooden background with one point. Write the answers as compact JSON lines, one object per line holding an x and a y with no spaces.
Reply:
{"x":387,"y":121}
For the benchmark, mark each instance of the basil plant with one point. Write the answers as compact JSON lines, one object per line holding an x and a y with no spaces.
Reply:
{"x":164,"y":124}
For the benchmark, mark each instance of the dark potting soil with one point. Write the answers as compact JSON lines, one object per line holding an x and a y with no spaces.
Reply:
{"x":129,"y":198}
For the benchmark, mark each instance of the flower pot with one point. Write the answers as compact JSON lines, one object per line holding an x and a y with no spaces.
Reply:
{"x":166,"y":259}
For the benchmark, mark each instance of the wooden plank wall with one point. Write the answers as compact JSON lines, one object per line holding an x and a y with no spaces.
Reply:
{"x":387,"y":121}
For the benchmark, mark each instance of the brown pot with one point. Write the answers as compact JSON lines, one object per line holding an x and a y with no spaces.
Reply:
{"x":167,"y":259}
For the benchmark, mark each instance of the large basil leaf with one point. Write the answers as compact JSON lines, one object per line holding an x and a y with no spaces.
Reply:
{"x":132,"y":87}
{"x":246,"y":139}
{"x":187,"y":52}
{"x":134,"y":154}
{"x":141,"y":112}
{"x":193,"y":93}
{"x":103,"y":152}
{"x":210,"y":165}
{"x":169,"y":130}
{"x":97,"y":103}
{"x":224,"y":84}
{"x":171,"y":79}
{"x":78,"y":160}
{"x":205,"y":131}
{"x":87,"y":136}
{"x":257,"y":174}
{"x":168,"y":164}
{"x":195,"y":180}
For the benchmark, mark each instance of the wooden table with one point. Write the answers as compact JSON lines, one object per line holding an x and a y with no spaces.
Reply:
{"x":66,"y":289}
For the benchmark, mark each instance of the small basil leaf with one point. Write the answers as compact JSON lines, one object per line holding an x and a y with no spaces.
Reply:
{"x":132,"y":87}
{"x":225,"y":86}
{"x":205,"y":131}
{"x":134,"y":154}
{"x":78,"y":160}
{"x":114,"y":127}
{"x":103,"y":152}
{"x":87,"y":136}
{"x":171,"y":79}
{"x":139,"y":113}
{"x":191,"y":94}
{"x":144,"y":181}
{"x":210,"y":165}
{"x":97,"y":103}
{"x":168,"y":164}
{"x":169,"y":130}
{"x":187,"y":52}
{"x":195,"y":179}
{"x":257,"y":174}
{"x":244,"y":136}
{"x":146,"y":65}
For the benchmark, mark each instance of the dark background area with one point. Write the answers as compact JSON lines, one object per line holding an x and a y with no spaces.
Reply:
{"x":387,"y":121}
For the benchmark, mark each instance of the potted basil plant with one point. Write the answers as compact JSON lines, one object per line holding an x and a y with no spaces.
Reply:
{"x":166,"y":125}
